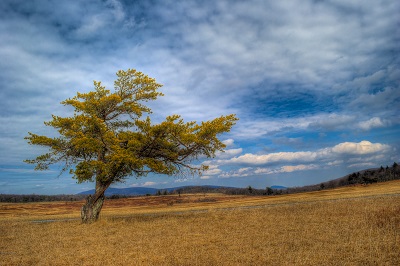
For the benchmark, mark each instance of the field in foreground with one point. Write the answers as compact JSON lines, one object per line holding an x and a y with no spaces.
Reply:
{"x":357,"y":225}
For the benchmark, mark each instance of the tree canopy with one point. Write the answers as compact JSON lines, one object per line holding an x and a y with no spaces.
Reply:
{"x":108,"y":138}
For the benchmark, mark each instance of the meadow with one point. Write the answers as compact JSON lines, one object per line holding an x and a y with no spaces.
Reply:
{"x":355,"y":225}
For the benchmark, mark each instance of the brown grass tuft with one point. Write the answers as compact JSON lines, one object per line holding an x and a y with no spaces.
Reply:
{"x":387,"y":216}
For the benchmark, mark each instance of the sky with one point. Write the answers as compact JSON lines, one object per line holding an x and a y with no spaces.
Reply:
{"x":315,"y":84}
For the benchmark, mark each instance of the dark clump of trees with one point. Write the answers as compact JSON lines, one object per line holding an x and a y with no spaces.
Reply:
{"x":117,"y":196}
{"x":216,"y":189}
{"x":373,"y":176}
{"x":38,"y":198}
{"x":364,"y":177}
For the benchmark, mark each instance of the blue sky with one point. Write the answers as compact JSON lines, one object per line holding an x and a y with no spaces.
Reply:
{"x":315,"y":84}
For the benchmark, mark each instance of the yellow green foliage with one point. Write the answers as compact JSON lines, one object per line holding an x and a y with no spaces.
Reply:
{"x":107,"y":139}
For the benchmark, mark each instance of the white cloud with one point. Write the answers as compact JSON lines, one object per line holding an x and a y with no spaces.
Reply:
{"x":335,"y":152}
{"x":374,"y":122}
{"x":333,"y":122}
{"x":361,"y":165}
{"x":285,"y":169}
{"x":231,"y":174}
{"x":243,"y":170}
{"x":293,"y":168}
{"x":336,"y":162}
{"x":149,"y":183}
{"x":255,"y":128}
{"x":254,"y":159}
{"x":263,"y":170}
{"x":249,"y":171}
{"x":361,"y":148}
{"x":214,"y":171}
{"x":26,"y":171}
{"x":229,"y":153}
{"x":228,"y":142}
{"x":367,"y":158}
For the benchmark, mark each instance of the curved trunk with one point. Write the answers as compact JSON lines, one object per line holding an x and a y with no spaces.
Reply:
{"x":90,"y":211}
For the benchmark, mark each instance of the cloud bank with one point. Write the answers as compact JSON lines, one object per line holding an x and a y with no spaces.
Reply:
{"x":288,"y":162}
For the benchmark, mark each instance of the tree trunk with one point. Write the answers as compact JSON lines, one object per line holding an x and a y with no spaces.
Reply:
{"x":91,"y":209}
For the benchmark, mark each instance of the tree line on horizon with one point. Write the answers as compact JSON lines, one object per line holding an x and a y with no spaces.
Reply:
{"x":16,"y":198}
{"x":365,"y":177}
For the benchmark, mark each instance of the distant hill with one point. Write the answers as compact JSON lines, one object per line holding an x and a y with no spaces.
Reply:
{"x":367,"y":176}
{"x":131,"y":191}
{"x":278,"y":187}
{"x":138,"y":191}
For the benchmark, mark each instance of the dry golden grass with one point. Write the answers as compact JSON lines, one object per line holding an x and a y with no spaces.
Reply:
{"x":347,"y":226}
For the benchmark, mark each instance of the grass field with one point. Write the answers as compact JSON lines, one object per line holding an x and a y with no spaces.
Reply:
{"x":357,"y":225}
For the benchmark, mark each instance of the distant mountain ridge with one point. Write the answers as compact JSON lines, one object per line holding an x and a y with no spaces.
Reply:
{"x":278,"y":187}
{"x":133,"y":191}
{"x":138,"y":191}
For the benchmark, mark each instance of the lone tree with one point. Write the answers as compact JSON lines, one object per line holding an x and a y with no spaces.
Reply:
{"x":107,"y":139}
